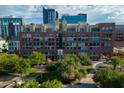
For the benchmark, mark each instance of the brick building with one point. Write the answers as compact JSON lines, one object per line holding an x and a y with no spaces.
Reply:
{"x":80,"y":39}
{"x":119,"y":36}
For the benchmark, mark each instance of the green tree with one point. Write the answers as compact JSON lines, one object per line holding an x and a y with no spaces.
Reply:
{"x":115,"y":60}
{"x":108,"y":78}
{"x":104,"y":76}
{"x":28,"y":84}
{"x":37,"y":58}
{"x":69,"y":68}
{"x":121,"y":64}
{"x":85,"y":60}
{"x":52,"y":84}
{"x":11,"y":63}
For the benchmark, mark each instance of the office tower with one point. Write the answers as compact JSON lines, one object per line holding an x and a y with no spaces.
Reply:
{"x":74,"y":19}
{"x":49,"y":16}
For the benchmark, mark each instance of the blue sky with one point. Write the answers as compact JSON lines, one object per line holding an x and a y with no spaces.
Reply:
{"x":96,"y":13}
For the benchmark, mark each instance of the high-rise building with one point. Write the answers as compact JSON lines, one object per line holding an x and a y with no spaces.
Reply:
{"x":10,"y":26}
{"x":49,"y":16}
{"x":74,"y":19}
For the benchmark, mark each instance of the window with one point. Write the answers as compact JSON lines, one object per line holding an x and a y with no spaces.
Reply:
{"x":107,"y":28}
{"x":82,"y":29}
{"x":71,"y":29}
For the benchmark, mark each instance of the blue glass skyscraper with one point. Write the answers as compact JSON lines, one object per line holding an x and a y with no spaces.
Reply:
{"x":49,"y":16}
{"x":74,"y":19}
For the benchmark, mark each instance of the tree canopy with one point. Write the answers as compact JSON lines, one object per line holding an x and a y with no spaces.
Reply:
{"x":85,"y":60}
{"x":69,"y":68}
{"x":52,"y":84}
{"x":109,"y":78}
{"x":66,"y":69}
{"x":115,"y":60}
{"x":28,"y":84}
{"x":37,"y":58}
{"x":12,"y":63}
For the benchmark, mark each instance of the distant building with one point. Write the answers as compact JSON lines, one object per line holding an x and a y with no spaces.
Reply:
{"x":34,"y":28}
{"x":74,"y":19}
{"x":49,"y":16}
{"x":10,"y":26}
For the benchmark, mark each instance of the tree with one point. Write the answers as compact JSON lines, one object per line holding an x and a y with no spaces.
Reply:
{"x":28,"y":84}
{"x":23,"y":66}
{"x":115,"y":60}
{"x":108,"y":78}
{"x":37,"y":58}
{"x":104,"y":76}
{"x":11,"y":63}
{"x":121,"y":64}
{"x":85,"y":60}
{"x":69,"y":68}
{"x":52,"y":84}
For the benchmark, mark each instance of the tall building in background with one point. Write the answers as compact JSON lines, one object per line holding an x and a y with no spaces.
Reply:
{"x":10,"y":26}
{"x":49,"y":16}
{"x":74,"y":19}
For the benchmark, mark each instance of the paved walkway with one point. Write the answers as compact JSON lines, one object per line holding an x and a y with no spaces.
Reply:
{"x":6,"y":80}
{"x":88,"y":82}
{"x":84,"y":83}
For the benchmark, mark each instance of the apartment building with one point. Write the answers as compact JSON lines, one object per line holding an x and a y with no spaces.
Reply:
{"x":79,"y":39}
{"x":119,"y":36}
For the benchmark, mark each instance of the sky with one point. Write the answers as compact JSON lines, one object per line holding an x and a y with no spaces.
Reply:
{"x":95,"y":13}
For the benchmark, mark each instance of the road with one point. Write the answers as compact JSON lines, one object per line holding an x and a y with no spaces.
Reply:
{"x":99,"y":63}
{"x":7,"y":80}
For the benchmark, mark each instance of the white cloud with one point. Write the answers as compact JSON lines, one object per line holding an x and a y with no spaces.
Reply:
{"x":99,"y":13}
{"x":95,"y":13}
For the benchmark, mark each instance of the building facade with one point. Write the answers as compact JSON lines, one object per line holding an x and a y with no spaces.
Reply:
{"x":13,"y":46}
{"x":79,"y":39}
{"x":119,"y":36}
{"x":10,"y":26}
{"x":49,"y":16}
